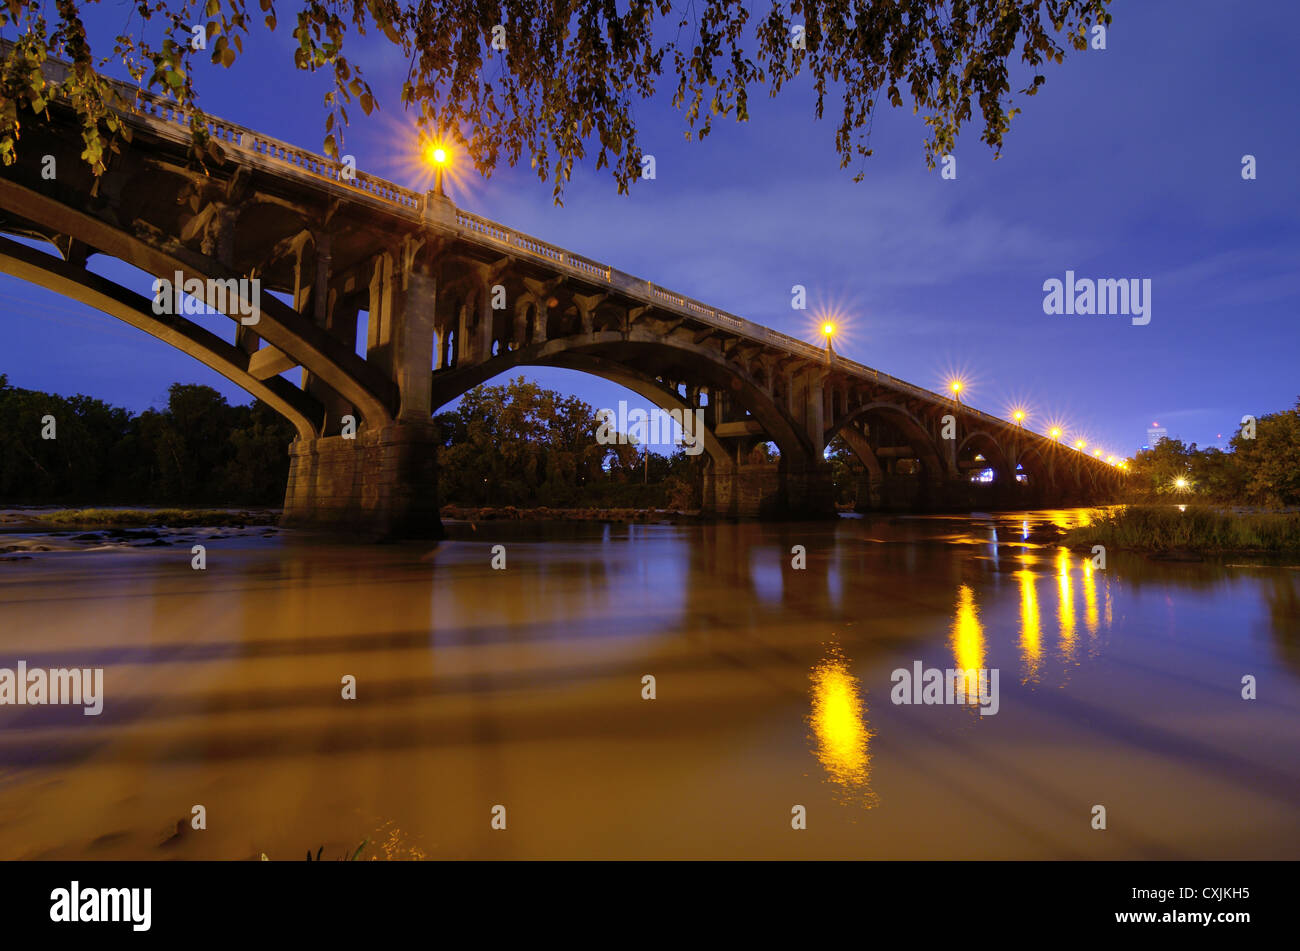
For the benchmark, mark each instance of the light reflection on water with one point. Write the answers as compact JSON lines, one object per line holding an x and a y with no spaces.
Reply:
{"x":839,"y":725}
{"x":524,"y":686}
{"x":1031,"y":634}
{"x":967,"y":639}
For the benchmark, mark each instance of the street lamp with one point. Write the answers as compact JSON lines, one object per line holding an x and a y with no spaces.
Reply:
{"x":828,"y":331}
{"x":1056,"y":433}
{"x":955,"y":386}
{"x":438,"y":157}
{"x":1079,"y":444}
{"x":1019,"y":416}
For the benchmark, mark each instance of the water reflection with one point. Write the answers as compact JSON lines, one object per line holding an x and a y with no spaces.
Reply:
{"x":1065,"y":604}
{"x":967,"y":641}
{"x":527,"y":681}
{"x":1090,"y":596}
{"x":839,"y":724}
{"x":1031,"y":635}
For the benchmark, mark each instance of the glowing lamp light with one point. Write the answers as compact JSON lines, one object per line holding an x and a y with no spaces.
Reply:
{"x":1180,"y":483}
{"x":1097,"y":453}
{"x":437,"y":155}
{"x":1056,"y":432}
{"x":1079,"y":444}
{"x":1019,"y":415}
{"x":955,"y":386}
{"x":1111,"y":460}
{"x":828,"y":329}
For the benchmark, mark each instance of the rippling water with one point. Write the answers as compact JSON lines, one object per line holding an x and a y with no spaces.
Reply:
{"x":524,"y":688}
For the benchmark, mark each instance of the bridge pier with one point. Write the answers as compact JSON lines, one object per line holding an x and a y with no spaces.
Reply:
{"x":768,"y":490}
{"x":380,"y":484}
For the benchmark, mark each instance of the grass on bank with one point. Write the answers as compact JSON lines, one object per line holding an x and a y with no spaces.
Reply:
{"x":172,"y":518}
{"x":1160,"y":528}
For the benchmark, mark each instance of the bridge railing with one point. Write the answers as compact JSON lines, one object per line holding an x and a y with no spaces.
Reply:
{"x":278,"y":152}
{"x":408,"y":202}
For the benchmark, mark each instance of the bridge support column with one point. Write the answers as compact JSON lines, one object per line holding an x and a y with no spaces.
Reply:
{"x":809,"y":491}
{"x":382,"y":484}
{"x":767,"y":490}
{"x":719,"y":491}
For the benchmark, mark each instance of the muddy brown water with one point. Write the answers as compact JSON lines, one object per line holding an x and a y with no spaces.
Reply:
{"x":525,"y":688}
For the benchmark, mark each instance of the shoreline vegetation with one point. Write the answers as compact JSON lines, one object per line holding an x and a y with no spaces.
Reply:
{"x":1161,"y":530}
{"x":146,"y":517}
{"x":72,"y":518}
{"x":1199,"y":529}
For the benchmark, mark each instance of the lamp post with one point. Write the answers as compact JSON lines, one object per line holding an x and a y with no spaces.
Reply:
{"x":438,"y":157}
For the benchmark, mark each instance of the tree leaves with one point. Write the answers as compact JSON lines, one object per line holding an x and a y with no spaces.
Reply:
{"x":572,"y":70}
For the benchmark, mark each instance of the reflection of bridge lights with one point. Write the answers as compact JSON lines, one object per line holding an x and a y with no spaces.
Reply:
{"x":839,"y":722}
{"x":1065,"y":606}
{"x":967,"y":640}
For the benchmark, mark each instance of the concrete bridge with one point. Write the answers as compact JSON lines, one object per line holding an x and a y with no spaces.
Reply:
{"x":424,"y":276}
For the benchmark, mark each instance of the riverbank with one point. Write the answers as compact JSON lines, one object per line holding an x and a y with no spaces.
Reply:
{"x":83,"y":519}
{"x":1162,"y":529}
{"x":78,"y":518}
{"x":544,"y":514}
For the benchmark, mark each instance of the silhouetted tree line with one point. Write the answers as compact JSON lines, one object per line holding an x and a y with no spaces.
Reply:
{"x":1263,"y":471}
{"x":197,"y":450}
{"x":516,"y":444}
{"x":522,"y":445}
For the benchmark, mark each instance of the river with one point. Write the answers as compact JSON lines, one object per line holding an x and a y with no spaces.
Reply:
{"x":525,"y":688}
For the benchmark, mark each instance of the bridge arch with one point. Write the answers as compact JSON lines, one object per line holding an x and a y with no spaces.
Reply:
{"x":983,"y":443}
{"x":623,"y":353}
{"x":86,"y":287}
{"x":900,"y":422}
{"x":279,"y":325}
{"x":1037,"y":470}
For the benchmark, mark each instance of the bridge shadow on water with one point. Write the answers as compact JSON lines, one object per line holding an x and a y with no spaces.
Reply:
{"x":773,"y":650}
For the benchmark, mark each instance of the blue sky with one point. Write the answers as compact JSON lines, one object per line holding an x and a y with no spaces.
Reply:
{"x":1127,"y":164}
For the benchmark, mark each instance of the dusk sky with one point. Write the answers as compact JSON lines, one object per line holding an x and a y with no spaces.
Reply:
{"x":1126,"y":165}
